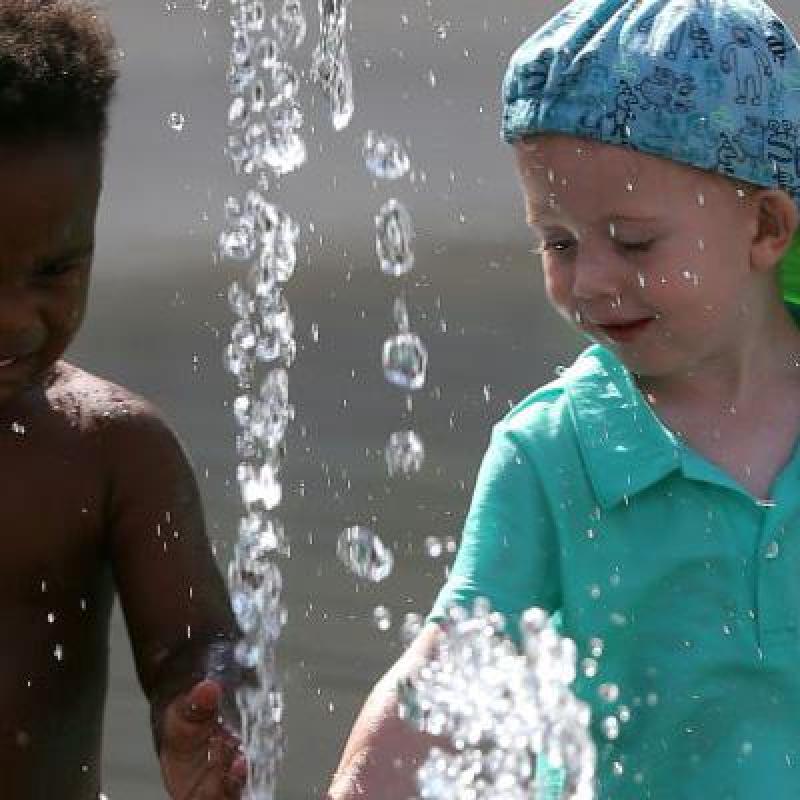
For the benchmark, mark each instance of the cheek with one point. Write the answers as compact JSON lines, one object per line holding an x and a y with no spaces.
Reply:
{"x":557,"y":284}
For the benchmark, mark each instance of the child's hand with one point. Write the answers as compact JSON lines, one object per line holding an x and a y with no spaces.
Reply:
{"x":200,"y":757}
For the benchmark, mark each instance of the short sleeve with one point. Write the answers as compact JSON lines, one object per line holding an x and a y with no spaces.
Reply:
{"x":509,"y":548}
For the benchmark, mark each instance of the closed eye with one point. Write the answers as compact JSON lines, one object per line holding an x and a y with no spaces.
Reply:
{"x":59,"y":268}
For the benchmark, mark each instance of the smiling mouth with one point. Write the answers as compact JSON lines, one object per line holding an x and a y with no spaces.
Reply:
{"x":625,"y":332}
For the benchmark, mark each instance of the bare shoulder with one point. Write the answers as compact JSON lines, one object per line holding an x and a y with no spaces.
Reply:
{"x":120,"y":420}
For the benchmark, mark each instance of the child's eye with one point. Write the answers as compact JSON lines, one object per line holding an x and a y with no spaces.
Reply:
{"x":57,"y":269}
{"x":558,"y":246}
{"x":636,"y":247}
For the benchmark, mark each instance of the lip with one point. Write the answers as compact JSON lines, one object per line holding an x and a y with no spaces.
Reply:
{"x":8,"y":362}
{"x":625,"y":331}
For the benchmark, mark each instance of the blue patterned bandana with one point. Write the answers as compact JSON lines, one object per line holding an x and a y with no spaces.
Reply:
{"x":713,"y":84}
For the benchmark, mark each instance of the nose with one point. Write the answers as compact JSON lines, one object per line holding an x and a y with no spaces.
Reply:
{"x":22,"y":329}
{"x":596,"y":276}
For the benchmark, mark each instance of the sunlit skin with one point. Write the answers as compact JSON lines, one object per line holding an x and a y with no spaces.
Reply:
{"x":691,"y":257}
{"x":96,"y":496}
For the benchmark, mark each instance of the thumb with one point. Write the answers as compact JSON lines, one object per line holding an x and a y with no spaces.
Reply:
{"x":190,"y":717}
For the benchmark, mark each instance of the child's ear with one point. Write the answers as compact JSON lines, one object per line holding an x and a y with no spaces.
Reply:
{"x":776,"y":220}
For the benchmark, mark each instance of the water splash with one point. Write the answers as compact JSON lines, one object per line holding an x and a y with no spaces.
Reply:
{"x":502,"y":708}
{"x":331,"y":67}
{"x":265,"y":124}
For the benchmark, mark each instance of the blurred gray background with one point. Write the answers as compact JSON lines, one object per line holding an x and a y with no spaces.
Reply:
{"x":428,"y":73}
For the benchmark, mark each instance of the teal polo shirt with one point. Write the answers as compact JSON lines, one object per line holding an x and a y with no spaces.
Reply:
{"x":587,"y":505}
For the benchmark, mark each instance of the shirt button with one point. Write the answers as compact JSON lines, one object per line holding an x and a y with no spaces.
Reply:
{"x":772,"y":549}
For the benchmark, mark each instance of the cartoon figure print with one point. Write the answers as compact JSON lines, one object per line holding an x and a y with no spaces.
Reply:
{"x":747,"y":61}
{"x":668,"y":91}
{"x":779,"y":42}
{"x":699,"y":41}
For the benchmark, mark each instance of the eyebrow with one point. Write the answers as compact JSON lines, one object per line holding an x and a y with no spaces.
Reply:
{"x":538,"y":215}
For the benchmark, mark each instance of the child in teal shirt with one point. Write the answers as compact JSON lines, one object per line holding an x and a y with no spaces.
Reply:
{"x":650,"y":494}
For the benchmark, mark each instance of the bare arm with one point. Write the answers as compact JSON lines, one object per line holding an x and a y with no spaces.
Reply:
{"x":173,"y":597}
{"x":383,"y":752}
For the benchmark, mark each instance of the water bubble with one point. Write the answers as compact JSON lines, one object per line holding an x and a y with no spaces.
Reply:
{"x":176,"y":121}
{"x":596,"y":646}
{"x":411,"y":628}
{"x":18,"y":428}
{"x":772,"y":550}
{"x":589,"y":667}
{"x":203,"y":5}
{"x":610,"y":726}
{"x":385,"y":157}
{"x":240,"y":300}
{"x":285,"y":81}
{"x":608,"y":692}
{"x":290,"y":24}
{"x":259,"y":485}
{"x":267,"y":53}
{"x":405,"y":361}
{"x":58,"y":652}
{"x":244,"y":334}
{"x":364,"y":554}
{"x":238,"y":244}
{"x":405,"y":453}
{"x":382,"y":618}
{"x":394,"y":233}
{"x":433,"y":546}
{"x":241,"y":47}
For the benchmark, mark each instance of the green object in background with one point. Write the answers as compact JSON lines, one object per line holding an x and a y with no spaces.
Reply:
{"x":790,"y":273}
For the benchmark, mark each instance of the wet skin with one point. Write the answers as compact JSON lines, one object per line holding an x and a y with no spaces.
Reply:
{"x":97,"y":497}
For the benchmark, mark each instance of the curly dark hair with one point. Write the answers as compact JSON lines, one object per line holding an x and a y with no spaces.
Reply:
{"x":57,"y":71}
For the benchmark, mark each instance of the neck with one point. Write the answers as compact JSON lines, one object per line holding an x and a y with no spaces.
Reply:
{"x":769,"y":356}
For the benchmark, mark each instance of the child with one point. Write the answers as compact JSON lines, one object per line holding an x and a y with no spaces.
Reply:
{"x":97,"y":493}
{"x":650,"y":493}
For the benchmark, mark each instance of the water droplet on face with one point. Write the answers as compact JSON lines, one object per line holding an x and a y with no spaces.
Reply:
{"x":385,"y":157}
{"x":58,"y":652}
{"x":364,"y":554}
{"x":176,"y":121}
{"x":405,"y":453}
{"x":51,"y":617}
{"x":405,"y":361}
{"x":701,"y":199}
{"x":394,"y":233}
{"x":382,"y":618}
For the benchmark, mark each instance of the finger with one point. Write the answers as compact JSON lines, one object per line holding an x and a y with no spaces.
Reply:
{"x":236,"y":778}
{"x":210,"y":785}
{"x":190,"y":718}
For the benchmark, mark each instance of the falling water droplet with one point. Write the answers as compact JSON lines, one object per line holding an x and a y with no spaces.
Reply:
{"x":176,"y":121}
{"x":394,"y":234}
{"x":364,"y":554}
{"x":405,"y":453}
{"x":382,"y":618}
{"x":385,"y":157}
{"x":433,"y":546}
{"x":405,"y":361}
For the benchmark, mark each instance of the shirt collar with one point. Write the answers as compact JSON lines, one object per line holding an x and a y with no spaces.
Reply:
{"x":625,"y":448}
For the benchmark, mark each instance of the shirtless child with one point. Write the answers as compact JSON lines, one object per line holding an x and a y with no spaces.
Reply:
{"x":97,"y":495}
